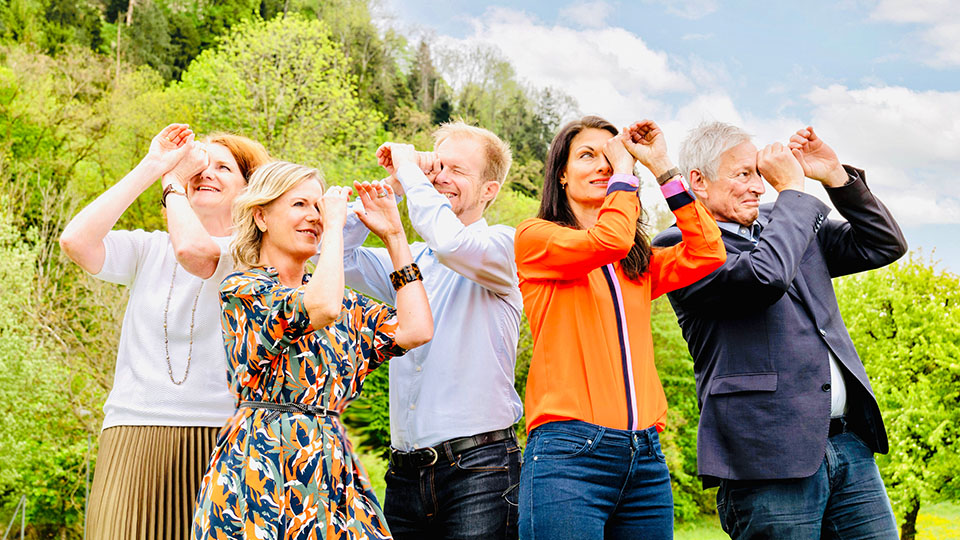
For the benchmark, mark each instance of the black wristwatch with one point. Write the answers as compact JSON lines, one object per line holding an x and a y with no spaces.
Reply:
{"x":407,"y":274}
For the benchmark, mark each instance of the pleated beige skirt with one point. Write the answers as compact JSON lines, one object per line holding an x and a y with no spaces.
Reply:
{"x":146,"y":481}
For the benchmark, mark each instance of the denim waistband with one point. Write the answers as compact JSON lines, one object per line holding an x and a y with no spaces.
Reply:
{"x":641,"y":438}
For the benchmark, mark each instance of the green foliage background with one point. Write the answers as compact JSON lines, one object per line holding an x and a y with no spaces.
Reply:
{"x":84,"y":86}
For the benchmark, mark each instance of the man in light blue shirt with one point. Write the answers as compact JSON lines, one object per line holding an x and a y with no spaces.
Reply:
{"x":455,"y":462}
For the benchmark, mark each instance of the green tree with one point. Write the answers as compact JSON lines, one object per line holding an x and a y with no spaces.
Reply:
{"x":675,"y":368}
{"x":41,"y":428}
{"x":71,"y":22}
{"x":905,"y":322}
{"x":488,"y":94}
{"x":285,"y":83}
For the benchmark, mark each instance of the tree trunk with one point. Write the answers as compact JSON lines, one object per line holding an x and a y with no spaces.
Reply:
{"x":118,"y":52}
{"x":908,"y":531}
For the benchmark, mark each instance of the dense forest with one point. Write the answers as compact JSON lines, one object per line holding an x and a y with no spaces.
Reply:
{"x":84,"y":86}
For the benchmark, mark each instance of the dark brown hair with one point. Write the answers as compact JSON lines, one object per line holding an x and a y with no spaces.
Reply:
{"x":555,"y":207}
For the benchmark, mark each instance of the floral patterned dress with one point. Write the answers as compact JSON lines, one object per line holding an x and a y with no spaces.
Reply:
{"x":288,"y":475}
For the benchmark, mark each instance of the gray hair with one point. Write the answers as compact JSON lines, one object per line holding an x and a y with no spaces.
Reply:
{"x":705,"y":144}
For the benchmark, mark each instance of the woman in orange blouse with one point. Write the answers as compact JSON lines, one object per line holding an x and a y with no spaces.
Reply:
{"x":593,"y":465}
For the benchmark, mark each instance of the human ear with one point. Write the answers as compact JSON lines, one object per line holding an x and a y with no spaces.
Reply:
{"x":698,"y":183}
{"x":489,"y":191}
{"x":259,"y":220}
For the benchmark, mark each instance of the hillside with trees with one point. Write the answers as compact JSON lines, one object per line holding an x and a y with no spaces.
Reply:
{"x":86,"y":84}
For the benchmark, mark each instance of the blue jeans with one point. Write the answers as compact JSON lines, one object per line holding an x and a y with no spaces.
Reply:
{"x":583,"y":481}
{"x":472,"y":497}
{"x":844,"y":499}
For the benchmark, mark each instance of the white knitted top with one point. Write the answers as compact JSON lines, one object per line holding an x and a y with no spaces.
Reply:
{"x":143,"y":393}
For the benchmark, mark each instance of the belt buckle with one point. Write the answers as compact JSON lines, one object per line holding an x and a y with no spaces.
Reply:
{"x":435,"y":456}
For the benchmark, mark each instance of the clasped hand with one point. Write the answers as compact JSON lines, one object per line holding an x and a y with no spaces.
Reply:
{"x":645,"y":142}
{"x":392,"y":155}
{"x":175,"y":151}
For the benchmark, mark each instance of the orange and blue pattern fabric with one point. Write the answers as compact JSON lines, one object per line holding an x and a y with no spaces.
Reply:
{"x":276,"y":476}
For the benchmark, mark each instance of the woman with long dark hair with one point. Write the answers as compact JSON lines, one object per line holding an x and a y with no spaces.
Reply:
{"x":593,"y":466}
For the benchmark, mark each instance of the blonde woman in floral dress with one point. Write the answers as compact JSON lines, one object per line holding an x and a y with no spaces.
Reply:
{"x":299,"y":350}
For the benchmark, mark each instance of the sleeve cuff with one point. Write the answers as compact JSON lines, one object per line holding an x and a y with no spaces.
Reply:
{"x":623,"y":182}
{"x":676,"y":193}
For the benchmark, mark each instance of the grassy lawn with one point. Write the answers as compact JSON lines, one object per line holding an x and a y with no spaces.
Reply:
{"x":936,"y":522}
{"x":706,"y":528}
{"x":939,"y":521}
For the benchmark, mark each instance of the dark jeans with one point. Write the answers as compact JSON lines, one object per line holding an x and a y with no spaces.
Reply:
{"x":582,"y":481}
{"x":473,"y":497}
{"x":844,"y":499}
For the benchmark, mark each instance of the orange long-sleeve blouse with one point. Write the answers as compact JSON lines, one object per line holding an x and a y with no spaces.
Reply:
{"x":592,"y":347}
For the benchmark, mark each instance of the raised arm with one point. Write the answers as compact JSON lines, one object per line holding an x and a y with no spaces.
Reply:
{"x":323,"y":296}
{"x":482,"y":255}
{"x":701,"y":250}
{"x":82,"y":238}
{"x":870,"y":238}
{"x":547,"y":250}
{"x":414,"y":317}
{"x":699,"y":253}
{"x":365,"y":269}
{"x":194,"y":247}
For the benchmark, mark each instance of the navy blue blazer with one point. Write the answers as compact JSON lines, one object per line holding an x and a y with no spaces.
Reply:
{"x":759,"y":329}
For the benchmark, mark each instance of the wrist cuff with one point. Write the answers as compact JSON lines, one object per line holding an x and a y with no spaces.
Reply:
{"x":623,"y":182}
{"x":673,"y":187}
{"x":676,"y":193}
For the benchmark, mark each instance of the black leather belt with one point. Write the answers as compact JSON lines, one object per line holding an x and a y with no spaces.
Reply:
{"x":447,"y":451}
{"x":298,"y":408}
{"x":838,"y":425}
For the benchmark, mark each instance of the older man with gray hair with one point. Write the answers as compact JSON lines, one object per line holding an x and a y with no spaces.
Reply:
{"x":789,"y":423}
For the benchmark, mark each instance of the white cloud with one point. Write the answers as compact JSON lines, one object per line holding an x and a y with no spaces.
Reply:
{"x":941,"y":19}
{"x":908,"y":141}
{"x":586,"y":14}
{"x":606,"y":70}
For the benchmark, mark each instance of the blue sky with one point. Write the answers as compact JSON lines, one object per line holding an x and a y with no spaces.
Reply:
{"x":878,"y":79}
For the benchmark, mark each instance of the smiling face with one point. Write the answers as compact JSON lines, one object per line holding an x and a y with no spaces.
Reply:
{"x":734,"y":195}
{"x":292,"y":222}
{"x":588,"y":171}
{"x":461,"y":178}
{"x":214,"y":189}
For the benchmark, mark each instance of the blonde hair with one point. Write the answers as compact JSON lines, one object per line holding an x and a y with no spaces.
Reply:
{"x":497,"y":153}
{"x":248,"y":153}
{"x":267,"y":184}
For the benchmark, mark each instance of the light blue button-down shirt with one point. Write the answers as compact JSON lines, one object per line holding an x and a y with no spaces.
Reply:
{"x":751,"y":233}
{"x":461,"y":382}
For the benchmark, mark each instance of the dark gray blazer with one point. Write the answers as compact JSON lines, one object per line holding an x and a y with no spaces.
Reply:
{"x":759,"y":329}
